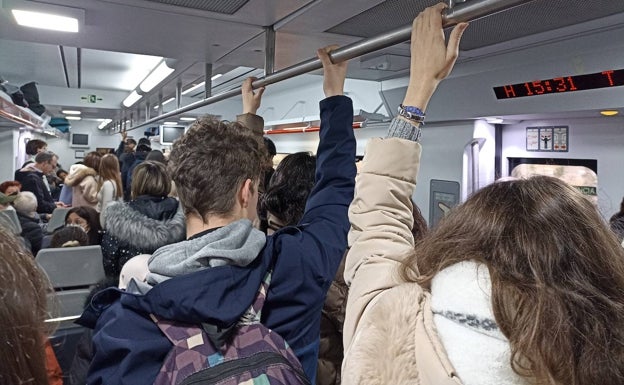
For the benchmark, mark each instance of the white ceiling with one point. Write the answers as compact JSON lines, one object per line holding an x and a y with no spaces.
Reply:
{"x":121,"y":40}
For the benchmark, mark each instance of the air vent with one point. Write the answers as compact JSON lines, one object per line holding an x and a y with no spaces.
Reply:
{"x":525,"y":20}
{"x":228,"y":7}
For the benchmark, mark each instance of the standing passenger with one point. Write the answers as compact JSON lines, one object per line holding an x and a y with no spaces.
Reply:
{"x":33,"y":147}
{"x":110,"y":187}
{"x":83,"y":179}
{"x":215,"y":274}
{"x":32,"y":177}
{"x":149,"y":221}
{"x":521,"y":284}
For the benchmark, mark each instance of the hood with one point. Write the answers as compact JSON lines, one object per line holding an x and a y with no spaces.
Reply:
{"x":132,"y":226}
{"x":159,"y":208}
{"x":219,"y":295}
{"x":77,"y":173}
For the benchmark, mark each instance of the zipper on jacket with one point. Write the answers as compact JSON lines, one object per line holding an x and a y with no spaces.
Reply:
{"x":240,"y":365}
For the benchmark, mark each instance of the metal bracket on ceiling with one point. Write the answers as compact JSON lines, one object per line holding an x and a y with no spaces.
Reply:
{"x":451,"y":3}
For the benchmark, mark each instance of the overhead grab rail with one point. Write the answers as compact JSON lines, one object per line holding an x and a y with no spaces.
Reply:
{"x":463,"y":12}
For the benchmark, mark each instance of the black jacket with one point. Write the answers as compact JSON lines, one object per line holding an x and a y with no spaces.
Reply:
{"x":32,"y":181}
{"x":139,"y":227}
{"x":31,"y":231}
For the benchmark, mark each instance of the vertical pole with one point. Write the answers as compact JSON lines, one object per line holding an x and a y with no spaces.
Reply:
{"x":208,"y":80}
{"x":178,"y":94}
{"x":269,"y":50}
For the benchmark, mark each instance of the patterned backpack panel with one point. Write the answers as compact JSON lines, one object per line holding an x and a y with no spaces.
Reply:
{"x":250,"y":353}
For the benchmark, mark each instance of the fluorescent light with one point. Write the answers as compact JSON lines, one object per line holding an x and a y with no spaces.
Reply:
{"x":71,"y":112}
{"x":187,"y":119}
{"x":170,"y":123}
{"x":45,"y":21}
{"x":196,"y":86}
{"x":104,"y":123}
{"x":131,"y":99}
{"x":609,"y":112}
{"x":217,"y":76}
{"x":165,"y":102}
{"x":158,"y":75}
{"x":73,"y":117}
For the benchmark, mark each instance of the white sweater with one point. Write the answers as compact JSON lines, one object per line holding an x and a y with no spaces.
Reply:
{"x":106,"y":195}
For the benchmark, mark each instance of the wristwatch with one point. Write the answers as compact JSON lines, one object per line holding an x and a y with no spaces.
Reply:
{"x":412,"y":113}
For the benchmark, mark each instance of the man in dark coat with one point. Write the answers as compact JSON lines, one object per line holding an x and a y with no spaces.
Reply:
{"x":33,"y":179}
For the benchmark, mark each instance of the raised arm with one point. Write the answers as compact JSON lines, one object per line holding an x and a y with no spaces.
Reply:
{"x":381,"y":212}
{"x":251,"y":103}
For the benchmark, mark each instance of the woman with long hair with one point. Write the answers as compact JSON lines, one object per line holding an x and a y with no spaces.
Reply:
{"x":149,"y":221}
{"x":521,"y":284}
{"x":88,"y":219}
{"x":23,"y":310}
{"x":83,"y":179}
{"x":110,"y":188}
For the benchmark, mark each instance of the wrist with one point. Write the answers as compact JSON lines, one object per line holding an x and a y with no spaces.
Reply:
{"x":418,"y":94}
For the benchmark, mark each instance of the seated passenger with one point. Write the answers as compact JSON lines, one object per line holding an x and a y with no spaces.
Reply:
{"x":69,"y":236}
{"x":32,"y":228}
{"x":6,"y":200}
{"x":521,"y":284}
{"x":88,"y":219}
{"x":215,"y":274}
{"x":10,"y":187}
{"x":83,"y":179}
{"x":149,"y":221}
{"x":23,"y":310}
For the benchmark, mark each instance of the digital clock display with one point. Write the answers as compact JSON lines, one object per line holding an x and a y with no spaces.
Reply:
{"x":604,"y":79}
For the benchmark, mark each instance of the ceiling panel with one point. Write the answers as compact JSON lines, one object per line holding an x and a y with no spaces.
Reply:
{"x":528,"y":19}
{"x":227,"y":7}
{"x":24,"y":62}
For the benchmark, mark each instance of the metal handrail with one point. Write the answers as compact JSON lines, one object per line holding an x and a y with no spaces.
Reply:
{"x":468,"y":11}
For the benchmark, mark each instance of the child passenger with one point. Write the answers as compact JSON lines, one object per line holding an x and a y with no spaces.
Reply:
{"x":522,"y":284}
{"x":214,"y":274}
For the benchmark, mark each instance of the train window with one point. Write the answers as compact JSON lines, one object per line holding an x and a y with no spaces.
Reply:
{"x":583,"y":178}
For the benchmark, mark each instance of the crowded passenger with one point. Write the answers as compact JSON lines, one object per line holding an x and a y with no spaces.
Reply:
{"x":32,"y":228}
{"x":617,"y":223}
{"x":83,"y":179}
{"x":149,"y":221}
{"x":88,"y":219}
{"x":33,"y":147}
{"x":69,"y":236}
{"x":215,"y":275}
{"x":143,"y":149}
{"x":10,"y":187}
{"x":32,"y":177}
{"x":109,"y":188}
{"x":23,"y":310}
{"x":521,"y":284}
{"x":6,"y":201}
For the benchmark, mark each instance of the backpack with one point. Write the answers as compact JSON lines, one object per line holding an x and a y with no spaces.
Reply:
{"x":246,"y":353}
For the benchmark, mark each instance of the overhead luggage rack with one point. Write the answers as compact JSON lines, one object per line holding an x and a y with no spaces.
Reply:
{"x":14,"y":116}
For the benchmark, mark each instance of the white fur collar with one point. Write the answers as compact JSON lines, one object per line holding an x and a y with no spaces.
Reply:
{"x":462,"y":307}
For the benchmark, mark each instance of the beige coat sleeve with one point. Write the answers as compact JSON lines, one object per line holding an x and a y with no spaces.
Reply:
{"x":253,"y":122}
{"x":381,"y":222}
{"x":89,"y":188}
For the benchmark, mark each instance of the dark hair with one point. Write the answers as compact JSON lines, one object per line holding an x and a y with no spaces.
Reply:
{"x":143,"y":148}
{"x":145,"y":142}
{"x":34,"y":145}
{"x":92,"y":217}
{"x":10,"y":183}
{"x":157,"y":156}
{"x":211,"y":161}
{"x":616,"y":222}
{"x":150,"y":178}
{"x":131,"y":141}
{"x":92,"y":160}
{"x":270,"y":146}
{"x":23,"y":310}
{"x":74,"y":235}
{"x":557,"y":276}
{"x":60,"y":171}
{"x":289,"y":187}
{"x":420,"y":229}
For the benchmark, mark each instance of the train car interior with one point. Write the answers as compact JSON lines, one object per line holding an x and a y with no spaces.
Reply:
{"x":538,"y":87}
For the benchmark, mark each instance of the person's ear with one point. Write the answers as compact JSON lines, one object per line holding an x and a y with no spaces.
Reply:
{"x":246,"y":192}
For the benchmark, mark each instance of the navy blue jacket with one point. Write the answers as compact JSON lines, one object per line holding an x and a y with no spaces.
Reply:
{"x":130,"y":349}
{"x":32,"y":180}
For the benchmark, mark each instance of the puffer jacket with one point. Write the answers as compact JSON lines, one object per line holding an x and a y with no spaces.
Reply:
{"x":140,"y":227}
{"x":84,"y":184}
{"x":386,"y":338}
{"x":330,"y":347}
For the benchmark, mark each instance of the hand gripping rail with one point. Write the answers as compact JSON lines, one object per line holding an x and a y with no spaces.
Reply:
{"x":463,"y":12}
